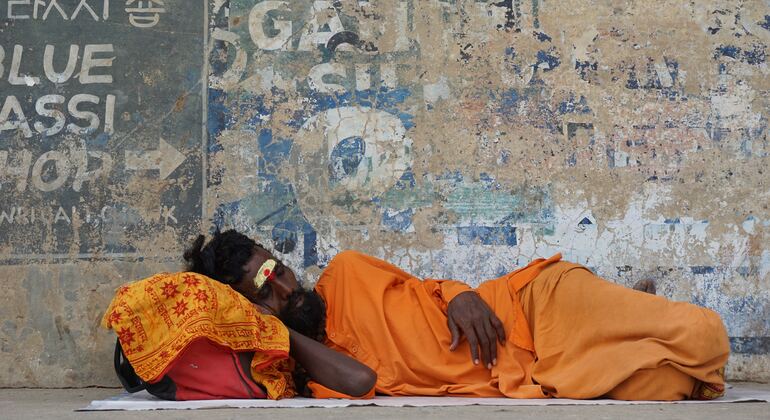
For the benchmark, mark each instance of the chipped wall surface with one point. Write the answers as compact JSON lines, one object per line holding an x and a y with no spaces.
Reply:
{"x":457,"y":139}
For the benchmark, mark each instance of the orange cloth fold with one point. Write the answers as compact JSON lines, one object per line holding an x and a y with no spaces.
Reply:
{"x":397,"y":325}
{"x":156,"y":318}
{"x":569,"y":334}
{"x":320,"y":391}
{"x":594,"y":338}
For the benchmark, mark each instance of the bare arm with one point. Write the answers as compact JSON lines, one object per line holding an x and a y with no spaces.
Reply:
{"x":330,"y":368}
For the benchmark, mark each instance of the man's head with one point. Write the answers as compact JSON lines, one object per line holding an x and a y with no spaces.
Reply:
{"x":235,"y":259}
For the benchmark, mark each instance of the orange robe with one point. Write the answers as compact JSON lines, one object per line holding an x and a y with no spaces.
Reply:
{"x":559,"y":342}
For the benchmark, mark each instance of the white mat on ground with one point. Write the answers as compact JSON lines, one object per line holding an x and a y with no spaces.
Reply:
{"x":144,"y":401}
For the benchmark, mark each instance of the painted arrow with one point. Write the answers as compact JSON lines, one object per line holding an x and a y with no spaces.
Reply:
{"x":165,"y":160}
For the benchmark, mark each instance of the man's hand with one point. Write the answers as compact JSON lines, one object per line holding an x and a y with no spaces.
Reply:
{"x":469,"y":315}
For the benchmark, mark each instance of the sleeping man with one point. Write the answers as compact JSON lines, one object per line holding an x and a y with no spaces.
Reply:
{"x":550,"y":329}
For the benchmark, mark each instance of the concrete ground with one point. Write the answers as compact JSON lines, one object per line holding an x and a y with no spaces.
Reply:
{"x":60,"y":404}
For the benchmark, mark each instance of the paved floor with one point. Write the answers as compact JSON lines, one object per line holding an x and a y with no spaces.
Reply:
{"x":60,"y":404}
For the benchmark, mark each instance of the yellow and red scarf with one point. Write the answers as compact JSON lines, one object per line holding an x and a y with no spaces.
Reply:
{"x":156,"y":318}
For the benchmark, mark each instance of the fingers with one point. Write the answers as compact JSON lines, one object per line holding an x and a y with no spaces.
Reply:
{"x":491,"y":344}
{"x":455,"y":334}
{"x":499,"y":328}
{"x":473,"y":341}
{"x":484,"y":345}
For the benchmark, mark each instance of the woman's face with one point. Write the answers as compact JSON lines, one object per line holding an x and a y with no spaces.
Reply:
{"x":282,"y":285}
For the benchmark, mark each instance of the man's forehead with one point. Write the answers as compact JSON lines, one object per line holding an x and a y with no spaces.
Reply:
{"x":265,"y":254}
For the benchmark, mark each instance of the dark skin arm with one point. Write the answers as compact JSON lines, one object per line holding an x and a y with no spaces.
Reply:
{"x":330,"y":368}
{"x":469,"y":315}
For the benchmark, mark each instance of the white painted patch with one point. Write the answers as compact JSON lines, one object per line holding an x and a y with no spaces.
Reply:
{"x":663,"y":75}
{"x":387,"y":154}
{"x":748,"y":225}
{"x":580,"y":47}
{"x":734,"y":108}
{"x":432,"y":92}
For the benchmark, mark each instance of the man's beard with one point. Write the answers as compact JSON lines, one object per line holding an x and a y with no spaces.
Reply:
{"x":305,"y":313}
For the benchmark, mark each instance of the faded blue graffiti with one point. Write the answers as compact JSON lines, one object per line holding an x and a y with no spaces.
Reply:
{"x":486,"y":235}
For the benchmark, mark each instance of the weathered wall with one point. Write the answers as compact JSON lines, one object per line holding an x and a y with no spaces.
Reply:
{"x":102,"y":157}
{"x":455,"y":138}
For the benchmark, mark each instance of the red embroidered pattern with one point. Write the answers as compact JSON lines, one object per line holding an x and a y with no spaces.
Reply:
{"x":115,"y":316}
{"x":180,"y":308}
{"x":202,"y":296}
{"x":126,"y":336}
{"x":169,"y":290}
{"x":191,"y":280}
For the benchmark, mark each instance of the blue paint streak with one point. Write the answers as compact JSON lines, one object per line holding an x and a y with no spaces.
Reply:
{"x":398,"y":221}
{"x":488,"y":180}
{"x":100,"y":140}
{"x":486,"y":235}
{"x":310,"y":246}
{"x":224,"y":213}
{"x":673,"y":68}
{"x":320,"y":102}
{"x":571,"y":107}
{"x":505,"y":157}
{"x":583,"y":67}
{"x":542,"y":37}
{"x":455,"y":176}
{"x":756,"y":55}
{"x":702,"y":269}
{"x":766,"y":23}
{"x":633,"y":82}
{"x":727,"y":51}
{"x":406,"y":119}
{"x":717,"y":134}
{"x":406,"y":180}
{"x":547,"y":58}
{"x":610,"y":152}
{"x":586,"y":221}
{"x":297,"y":119}
{"x":390,"y":98}
{"x":218,"y":119}
{"x":383,"y":99}
{"x":508,"y":101}
{"x":253,"y":104}
{"x":277,"y":187}
{"x":284,"y":236}
{"x":750,"y":345}
{"x":722,"y":68}
{"x":275,"y":152}
{"x":345,"y":158}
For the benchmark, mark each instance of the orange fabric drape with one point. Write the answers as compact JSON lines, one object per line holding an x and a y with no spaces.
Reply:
{"x":582,"y":337}
{"x":156,"y":318}
{"x":396,"y":324}
{"x":595,"y":338}
{"x":320,"y":391}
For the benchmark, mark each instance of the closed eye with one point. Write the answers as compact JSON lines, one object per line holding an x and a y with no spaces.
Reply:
{"x":279,"y":269}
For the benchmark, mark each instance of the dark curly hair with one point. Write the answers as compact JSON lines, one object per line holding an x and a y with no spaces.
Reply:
{"x":223,"y":257}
